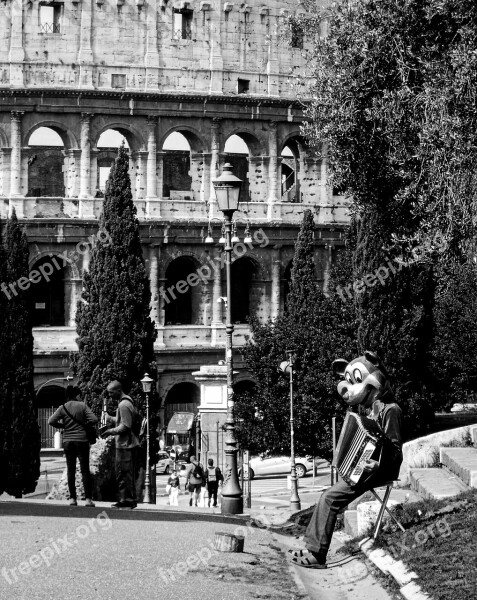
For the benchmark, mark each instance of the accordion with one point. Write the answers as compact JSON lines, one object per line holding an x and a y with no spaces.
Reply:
{"x":359,"y":438}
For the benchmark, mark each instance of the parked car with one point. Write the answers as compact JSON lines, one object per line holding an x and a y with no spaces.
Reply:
{"x":278,"y":465}
{"x":164,"y":462}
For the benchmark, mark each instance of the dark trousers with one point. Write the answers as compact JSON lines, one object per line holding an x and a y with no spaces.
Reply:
{"x":126,"y":474}
{"x":212,"y":487}
{"x":74,"y":450}
{"x":320,"y":529}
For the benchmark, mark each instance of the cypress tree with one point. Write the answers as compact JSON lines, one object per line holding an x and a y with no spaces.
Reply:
{"x":4,"y":374}
{"x":23,"y":439}
{"x":115,"y":332}
{"x":318,"y":328}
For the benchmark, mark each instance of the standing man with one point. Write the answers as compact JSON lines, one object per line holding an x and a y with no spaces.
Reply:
{"x":214,"y":476}
{"x":195,"y":480}
{"x":126,"y":445}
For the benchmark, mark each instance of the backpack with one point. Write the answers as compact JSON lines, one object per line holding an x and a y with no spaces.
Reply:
{"x":197,"y":472}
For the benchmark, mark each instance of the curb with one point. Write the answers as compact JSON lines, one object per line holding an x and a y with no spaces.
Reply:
{"x":405,"y":579}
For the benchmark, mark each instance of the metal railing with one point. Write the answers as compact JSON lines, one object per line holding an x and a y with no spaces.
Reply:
{"x":49,"y":27}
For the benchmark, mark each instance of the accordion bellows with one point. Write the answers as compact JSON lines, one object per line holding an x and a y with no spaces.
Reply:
{"x":359,"y":438}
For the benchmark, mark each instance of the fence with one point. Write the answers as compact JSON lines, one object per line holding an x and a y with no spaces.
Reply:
{"x":47,"y":432}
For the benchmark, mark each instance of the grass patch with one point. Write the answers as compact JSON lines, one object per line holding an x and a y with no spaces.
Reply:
{"x":438,"y":544}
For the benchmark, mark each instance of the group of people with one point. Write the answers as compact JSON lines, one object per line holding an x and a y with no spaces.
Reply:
{"x":197,"y":480}
{"x":74,"y":417}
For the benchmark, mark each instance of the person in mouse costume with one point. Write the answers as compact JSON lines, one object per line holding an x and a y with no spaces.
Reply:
{"x":365,"y":384}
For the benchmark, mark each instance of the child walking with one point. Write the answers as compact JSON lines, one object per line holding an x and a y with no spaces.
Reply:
{"x":174,"y":486}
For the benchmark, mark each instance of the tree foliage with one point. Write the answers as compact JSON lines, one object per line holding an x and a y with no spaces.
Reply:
{"x":115,"y":332}
{"x":21,"y":440}
{"x":318,"y":330}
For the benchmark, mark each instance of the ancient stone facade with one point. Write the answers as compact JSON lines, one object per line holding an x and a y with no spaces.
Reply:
{"x":208,"y":70}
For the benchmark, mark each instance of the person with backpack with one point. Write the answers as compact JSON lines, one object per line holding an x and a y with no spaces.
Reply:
{"x":195,"y":480}
{"x":126,"y":434}
{"x":74,"y":417}
{"x":214,"y":477}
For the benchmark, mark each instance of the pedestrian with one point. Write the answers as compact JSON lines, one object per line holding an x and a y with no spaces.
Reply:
{"x":214,"y":477}
{"x":73,"y":417}
{"x":195,"y":480}
{"x":174,"y":486}
{"x":127,"y":444}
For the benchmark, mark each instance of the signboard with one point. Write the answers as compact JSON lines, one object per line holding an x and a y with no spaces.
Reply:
{"x":181,"y":422}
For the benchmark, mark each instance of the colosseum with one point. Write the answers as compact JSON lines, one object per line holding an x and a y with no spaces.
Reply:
{"x":188,"y":86}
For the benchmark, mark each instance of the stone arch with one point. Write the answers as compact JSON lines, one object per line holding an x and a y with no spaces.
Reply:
{"x":67,"y":136}
{"x":172,"y":381}
{"x":295,"y":141}
{"x":246,"y":288}
{"x":182,"y":396}
{"x":191,"y":134}
{"x":132,"y":135}
{"x":256,"y":145}
{"x":71,"y":267}
{"x":179,"y":253}
{"x":183,"y":296}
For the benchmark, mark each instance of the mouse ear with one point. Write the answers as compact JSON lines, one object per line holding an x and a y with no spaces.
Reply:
{"x":339,"y":366}
{"x":372,"y":357}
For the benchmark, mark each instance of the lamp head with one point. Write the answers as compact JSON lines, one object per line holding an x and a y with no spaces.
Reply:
{"x":147,"y":382}
{"x":227,"y":190}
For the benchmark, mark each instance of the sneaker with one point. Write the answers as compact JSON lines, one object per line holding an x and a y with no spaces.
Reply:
{"x":124,"y":505}
{"x":190,"y":502}
{"x":73,"y":502}
{"x":89,"y":502}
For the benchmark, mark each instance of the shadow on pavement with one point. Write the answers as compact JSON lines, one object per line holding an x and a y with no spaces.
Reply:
{"x":35,"y":509}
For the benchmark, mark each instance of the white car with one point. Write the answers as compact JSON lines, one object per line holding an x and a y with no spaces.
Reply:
{"x":279,"y":465}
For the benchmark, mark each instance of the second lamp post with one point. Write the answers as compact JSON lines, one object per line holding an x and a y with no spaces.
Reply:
{"x":227,"y":191}
{"x":147,"y":382}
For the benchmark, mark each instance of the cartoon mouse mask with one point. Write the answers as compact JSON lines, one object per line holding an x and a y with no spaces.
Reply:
{"x":365,"y":378}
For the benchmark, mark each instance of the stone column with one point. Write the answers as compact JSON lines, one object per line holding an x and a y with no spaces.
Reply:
{"x":85,"y":53}
{"x":215,"y":56}
{"x":151,"y":193}
{"x":6,"y":170}
{"x":151,"y":58}
{"x":273,"y":163}
{"x":141,"y":163}
{"x":94,"y":171}
{"x":214,"y":164}
{"x":85,"y":171}
{"x":154,"y":280}
{"x":17,"y":54}
{"x":160,"y":173}
{"x":16,"y":156}
{"x":217,"y":325}
{"x":73,"y":160}
{"x":205,"y":183}
{"x":272,"y":62}
{"x":275,"y":291}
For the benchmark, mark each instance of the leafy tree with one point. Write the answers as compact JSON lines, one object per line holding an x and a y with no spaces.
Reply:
{"x":455,"y":332}
{"x":115,"y":332}
{"x":22,"y":443}
{"x":318,"y":329}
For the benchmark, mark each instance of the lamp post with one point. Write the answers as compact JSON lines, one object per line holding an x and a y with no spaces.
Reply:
{"x":227,"y":191}
{"x":147,"y":382}
{"x":287,"y":367}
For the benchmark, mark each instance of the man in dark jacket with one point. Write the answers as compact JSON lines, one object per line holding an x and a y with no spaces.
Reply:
{"x":69,"y":417}
{"x":126,"y":445}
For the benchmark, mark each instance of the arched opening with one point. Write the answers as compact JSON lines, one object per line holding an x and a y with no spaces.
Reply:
{"x":290,"y":172}
{"x":182,"y":301}
{"x":48,"y":400}
{"x":245,"y":386}
{"x":182,"y":397}
{"x":177,"y":181}
{"x":46,"y":159}
{"x":245,"y":291}
{"x":108,"y":143}
{"x":237,"y":153}
{"x":48,"y":295}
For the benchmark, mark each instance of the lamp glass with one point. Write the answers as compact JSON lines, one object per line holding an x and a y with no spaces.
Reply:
{"x":227,"y":190}
{"x":147,"y":382}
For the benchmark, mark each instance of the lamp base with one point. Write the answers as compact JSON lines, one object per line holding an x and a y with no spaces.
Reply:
{"x":232,"y":505}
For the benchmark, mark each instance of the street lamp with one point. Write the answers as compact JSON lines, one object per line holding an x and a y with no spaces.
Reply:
{"x":227,"y":191}
{"x":147,"y":382}
{"x":287,"y":367}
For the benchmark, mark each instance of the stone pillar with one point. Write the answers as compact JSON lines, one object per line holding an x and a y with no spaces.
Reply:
{"x":160,"y":173}
{"x":161,"y":317}
{"x":85,"y":173}
{"x":72,"y":296}
{"x":151,"y":58}
{"x":73,"y":160}
{"x":154,"y":280}
{"x":141,"y":162}
{"x":217,"y":325}
{"x":197,"y":170}
{"x":6,"y":171}
{"x":94,"y":171}
{"x":212,"y":380}
{"x":17,"y":54}
{"x":272,"y":62}
{"x":275,"y":291}
{"x":214,"y":165}
{"x":85,"y":53}
{"x":151,"y":192}
{"x":205,"y":183}
{"x":16,"y":156}
{"x":273,"y":163}
{"x":215,"y":57}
